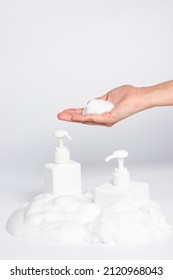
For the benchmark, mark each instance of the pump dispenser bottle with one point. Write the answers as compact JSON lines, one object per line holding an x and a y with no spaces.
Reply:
{"x":121,"y":187}
{"x":63,"y":177}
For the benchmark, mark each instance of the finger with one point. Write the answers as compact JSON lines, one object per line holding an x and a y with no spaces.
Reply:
{"x":67,"y":114}
{"x":70,"y":118}
{"x":86,"y":118}
{"x":64,"y":116}
{"x":104,"y":119}
{"x":73,"y":110}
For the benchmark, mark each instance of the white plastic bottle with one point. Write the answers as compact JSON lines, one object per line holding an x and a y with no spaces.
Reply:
{"x":121,"y":187}
{"x":63,"y":177}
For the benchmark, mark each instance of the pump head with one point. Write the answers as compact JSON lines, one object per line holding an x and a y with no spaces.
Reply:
{"x":120,"y":155}
{"x":120,"y":174}
{"x":62,"y":154}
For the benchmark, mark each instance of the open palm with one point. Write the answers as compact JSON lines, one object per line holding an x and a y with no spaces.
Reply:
{"x":127,"y":100}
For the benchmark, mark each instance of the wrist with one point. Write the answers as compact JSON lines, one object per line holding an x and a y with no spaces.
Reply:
{"x":147,"y":98}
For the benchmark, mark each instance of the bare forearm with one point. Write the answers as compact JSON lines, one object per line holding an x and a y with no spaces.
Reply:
{"x":158,"y":95}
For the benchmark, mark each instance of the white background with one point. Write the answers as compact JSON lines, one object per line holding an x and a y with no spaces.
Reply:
{"x":60,"y":54}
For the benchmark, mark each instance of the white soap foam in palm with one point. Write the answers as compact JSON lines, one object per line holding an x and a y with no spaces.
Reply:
{"x":98,"y":106}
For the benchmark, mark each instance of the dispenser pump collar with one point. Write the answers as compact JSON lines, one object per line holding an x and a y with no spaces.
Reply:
{"x":62,"y":154}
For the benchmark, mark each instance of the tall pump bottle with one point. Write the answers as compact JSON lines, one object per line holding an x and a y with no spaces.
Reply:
{"x":63,"y":177}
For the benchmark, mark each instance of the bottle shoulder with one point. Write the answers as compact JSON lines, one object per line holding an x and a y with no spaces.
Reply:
{"x":71,"y":163}
{"x":133,"y":186}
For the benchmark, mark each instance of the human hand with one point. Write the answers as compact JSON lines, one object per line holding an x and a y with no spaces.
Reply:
{"x":127,"y":99}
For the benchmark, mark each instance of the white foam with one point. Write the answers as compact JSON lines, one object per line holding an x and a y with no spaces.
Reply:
{"x":124,"y":224}
{"x":76,"y":219}
{"x":98,"y":106}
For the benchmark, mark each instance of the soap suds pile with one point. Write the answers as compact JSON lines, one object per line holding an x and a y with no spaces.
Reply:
{"x":76,"y":219}
{"x":98,"y":106}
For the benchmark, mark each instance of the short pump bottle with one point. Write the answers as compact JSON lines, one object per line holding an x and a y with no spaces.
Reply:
{"x":63,"y":177}
{"x":121,"y":187}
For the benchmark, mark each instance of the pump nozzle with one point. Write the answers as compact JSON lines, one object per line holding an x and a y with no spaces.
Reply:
{"x":61,"y":134}
{"x":120,"y":174}
{"x":62,"y":154}
{"x":120,"y":155}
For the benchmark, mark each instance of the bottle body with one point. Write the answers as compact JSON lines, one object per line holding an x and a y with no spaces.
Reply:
{"x":63,"y":179}
{"x":136,"y":193}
